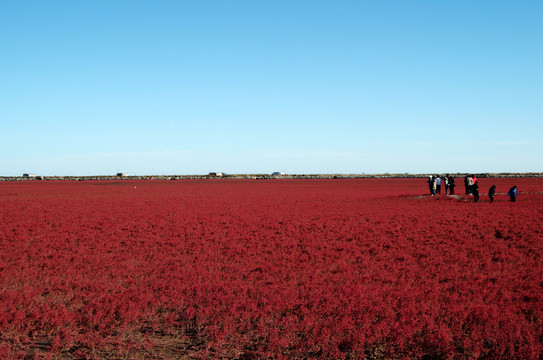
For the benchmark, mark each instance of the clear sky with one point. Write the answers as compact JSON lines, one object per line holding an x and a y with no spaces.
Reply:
{"x":188,"y":87}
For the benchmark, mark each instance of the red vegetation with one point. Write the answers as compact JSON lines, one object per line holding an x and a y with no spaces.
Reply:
{"x":269,"y":269}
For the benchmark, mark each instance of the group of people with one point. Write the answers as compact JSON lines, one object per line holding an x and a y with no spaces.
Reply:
{"x":435,"y":182}
{"x":471,"y":185}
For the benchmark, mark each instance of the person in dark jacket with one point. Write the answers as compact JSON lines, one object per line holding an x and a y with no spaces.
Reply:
{"x":451,"y":184}
{"x":475,"y":191}
{"x":512,"y":193}
{"x":431,"y":182}
{"x":466,"y":183}
{"x":492,"y":192}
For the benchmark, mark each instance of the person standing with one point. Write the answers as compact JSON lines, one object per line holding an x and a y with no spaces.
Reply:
{"x":475,"y":191}
{"x":438,"y":185}
{"x":431,"y":184}
{"x":512,"y":193}
{"x":466,"y":183}
{"x":470,"y":184}
{"x":446,"y":182}
{"x":492,"y":192}
{"x":451,"y":184}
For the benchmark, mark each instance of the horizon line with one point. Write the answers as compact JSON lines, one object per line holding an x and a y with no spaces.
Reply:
{"x":275,"y":174}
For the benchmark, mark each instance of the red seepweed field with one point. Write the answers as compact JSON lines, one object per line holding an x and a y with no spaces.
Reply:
{"x":292,"y":269}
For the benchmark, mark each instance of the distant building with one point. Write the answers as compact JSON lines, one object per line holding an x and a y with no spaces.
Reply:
{"x":278,"y":173}
{"x":29,"y":175}
{"x":217,"y":174}
{"x":122,"y":174}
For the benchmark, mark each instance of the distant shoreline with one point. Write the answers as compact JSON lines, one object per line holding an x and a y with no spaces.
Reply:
{"x":255,"y":176}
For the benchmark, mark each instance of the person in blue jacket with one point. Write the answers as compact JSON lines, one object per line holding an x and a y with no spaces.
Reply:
{"x":438,"y":185}
{"x":512,"y":193}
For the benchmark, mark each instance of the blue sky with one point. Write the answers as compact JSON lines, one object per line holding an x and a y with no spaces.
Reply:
{"x":189,"y":87}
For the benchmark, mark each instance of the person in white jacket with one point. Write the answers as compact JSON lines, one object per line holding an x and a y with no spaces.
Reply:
{"x":470,"y":184}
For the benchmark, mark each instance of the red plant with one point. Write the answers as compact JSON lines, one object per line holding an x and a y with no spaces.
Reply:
{"x":269,"y":269}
